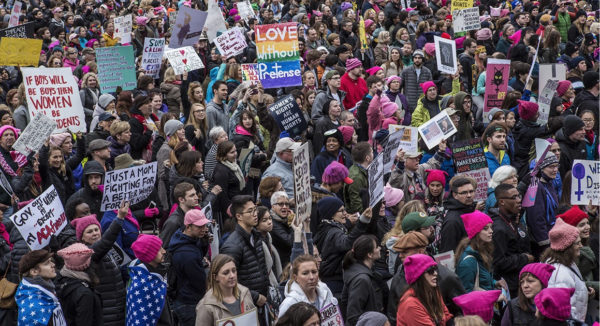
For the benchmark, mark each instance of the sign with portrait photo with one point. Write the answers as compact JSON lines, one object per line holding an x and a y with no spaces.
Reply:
{"x":445,"y":54}
{"x":437,"y":129}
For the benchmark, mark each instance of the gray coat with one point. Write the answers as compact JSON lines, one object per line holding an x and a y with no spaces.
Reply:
{"x":217,"y":116}
{"x":321,"y":98}
{"x":411,"y":85}
{"x":282,"y":169}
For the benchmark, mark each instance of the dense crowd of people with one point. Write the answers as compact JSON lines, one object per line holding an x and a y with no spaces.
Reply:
{"x":428,"y":253}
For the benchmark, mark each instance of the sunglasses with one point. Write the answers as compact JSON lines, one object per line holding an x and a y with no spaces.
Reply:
{"x":432,"y":270}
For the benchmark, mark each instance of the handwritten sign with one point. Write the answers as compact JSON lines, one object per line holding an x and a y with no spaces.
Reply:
{"x":248,"y":318}
{"x":152,"y":56}
{"x":215,"y":21}
{"x":496,"y":81}
{"x":188,"y":27}
{"x":278,"y":55}
{"x":35,"y":134}
{"x":231,"y":42}
{"x":466,"y":20}
{"x":302,"y":191}
{"x":288,"y":115}
{"x":15,"y":14}
{"x":545,"y":101}
{"x":40,"y":219}
{"x":20,"y":31}
{"x":460,"y":5}
{"x":375,"y":178}
{"x":394,"y":143}
{"x":184,"y":59}
{"x":410,"y":138}
{"x":551,"y":71}
{"x":469,"y":159}
{"x":250,"y":73}
{"x":116,"y":68}
{"x":133,"y":184}
{"x":280,"y":74}
{"x":437,"y":129}
{"x":585,"y":185}
{"x":245,"y":10}
{"x":123,"y":28}
{"x":20,"y":51}
{"x":331,"y":316}
{"x":445,"y":54}
{"x":53,"y":92}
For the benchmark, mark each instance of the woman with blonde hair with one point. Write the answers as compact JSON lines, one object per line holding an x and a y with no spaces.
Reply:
{"x":195,"y":94}
{"x":224,"y":297}
{"x":390,"y":238}
{"x":196,"y":127}
{"x":233,"y":76}
{"x":171,"y":90}
{"x":89,"y":92}
{"x":120,"y":134}
{"x":381,"y":51}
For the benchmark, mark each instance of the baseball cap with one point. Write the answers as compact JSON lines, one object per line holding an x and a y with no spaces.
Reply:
{"x":286,"y":143}
{"x":195,"y":217}
{"x":104,"y":116}
{"x":416,"y":220}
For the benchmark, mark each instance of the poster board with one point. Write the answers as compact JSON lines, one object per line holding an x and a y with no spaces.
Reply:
{"x":184,"y":60}
{"x":331,"y":315}
{"x":53,"y":92}
{"x":445,"y":259}
{"x":585,"y":185}
{"x":123,"y":28}
{"x":466,"y":20}
{"x":437,"y":129}
{"x":279,"y":74}
{"x":250,"y":317}
{"x":410,"y":140}
{"x":15,"y":14}
{"x":21,"y":31}
{"x":250,"y":73}
{"x":545,"y":100}
{"x":375,"y":178}
{"x":278,"y":55}
{"x":231,"y":42}
{"x":540,"y":146}
{"x":496,"y":81}
{"x":133,"y":184}
{"x":394,"y":143}
{"x":460,"y":5}
{"x":302,"y":190}
{"x":364,"y":45}
{"x":152,"y":56}
{"x":35,"y":134}
{"x":20,"y":51}
{"x":551,"y":71}
{"x":288,"y":115}
{"x":245,"y":10}
{"x":469,"y":160}
{"x":445,"y":55}
{"x":116,"y":68}
{"x":215,"y":21}
{"x":40,"y":219}
{"x":188,"y":27}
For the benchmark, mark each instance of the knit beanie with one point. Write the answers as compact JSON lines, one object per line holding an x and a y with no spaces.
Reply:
{"x":58,"y":139}
{"x":436,"y":175}
{"x":475,"y":222}
{"x":562,"y":235}
{"x":372,"y":318}
{"x":478,"y":303}
{"x":483,"y":34}
{"x":527,"y":110}
{"x":573,"y":216}
{"x":555,"y":303}
{"x":347,"y":133}
{"x":328,"y":206}
{"x":172,"y":126}
{"x":429,"y":48}
{"x":571,"y":124}
{"x":427,"y":85}
{"x":392,"y":196}
{"x":353,"y":63}
{"x":415,"y":266}
{"x":540,"y":270}
{"x":388,"y":108}
{"x":590,"y":79}
{"x":549,"y":160}
{"x":336,"y":172}
{"x":141,"y":20}
{"x":146,"y":247}
{"x":105,"y":100}
{"x":574,"y":62}
{"x":373,"y":70}
{"x":4,"y":128}
{"x":80,"y":224}
{"x":562,"y":87}
{"x":77,"y":256}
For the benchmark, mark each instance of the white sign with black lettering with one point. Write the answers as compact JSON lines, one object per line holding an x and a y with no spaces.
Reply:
{"x":35,"y":134}
{"x":466,"y":19}
{"x":375,"y":175}
{"x":302,"y":192}
{"x":132,"y":184}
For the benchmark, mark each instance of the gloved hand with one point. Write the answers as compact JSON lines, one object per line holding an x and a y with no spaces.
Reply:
{"x":101,"y":188}
{"x":151,"y":212}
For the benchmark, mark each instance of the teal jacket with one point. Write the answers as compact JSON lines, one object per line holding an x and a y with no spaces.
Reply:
{"x":467,"y":271}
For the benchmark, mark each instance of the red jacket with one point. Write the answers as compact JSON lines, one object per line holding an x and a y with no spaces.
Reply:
{"x":355,"y":90}
{"x":411,"y":312}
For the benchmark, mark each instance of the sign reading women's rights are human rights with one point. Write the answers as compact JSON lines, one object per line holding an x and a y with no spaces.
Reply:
{"x":278,"y":55}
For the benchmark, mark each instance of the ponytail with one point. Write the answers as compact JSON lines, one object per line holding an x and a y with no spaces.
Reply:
{"x":361,"y":248}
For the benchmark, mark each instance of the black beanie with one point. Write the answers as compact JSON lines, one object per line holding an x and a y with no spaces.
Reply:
{"x":590,"y":79}
{"x":335,"y":133}
{"x":328,"y":206}
{"x":571,"y":124}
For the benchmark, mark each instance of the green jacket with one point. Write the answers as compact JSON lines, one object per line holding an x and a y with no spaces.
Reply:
{"x":588,"y":266}
{"x":563,"y":24}
{"x":421,"y":114}
{"x":352,"y":197}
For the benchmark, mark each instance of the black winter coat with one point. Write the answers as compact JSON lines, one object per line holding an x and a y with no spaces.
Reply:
{"x":80,"y":303}
{"x":453,"y":229}
{"x":569,"y":151}
{"x":586,"y":101}
{"x":224,"y":177}
{"x":249,"y":259}
{"x":140,"y":135}
{"x":524,"y":133}
{"x":19,"y":249}
{"x":92,"y":197}
{"x":283,"y":238}
{"x":21,"y":185}
{"x":361,"y":293}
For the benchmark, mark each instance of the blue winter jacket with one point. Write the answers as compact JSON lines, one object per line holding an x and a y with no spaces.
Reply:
{"x":187,"y":255}
{"x":128,"y":234}
{"x":492,"y":161}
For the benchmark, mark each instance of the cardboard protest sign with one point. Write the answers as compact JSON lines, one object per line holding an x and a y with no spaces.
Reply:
{"x":545,"y":100}
{"x":40,"y":219}
{"x":540,"y":146}
{"x":469,"y":159}
{"x":445,"y":54}
{"x":302,"y":191}
{"x":20,"y":31}
{"x":280,"y":74}
{"x":123,"y":28}
{"x":5,"y":184}
{"x":213,"y":229}
{"x":152,"y":56}
{"x":437,"y":129}
{"x":20,"y":51}
{"x":277,"y":42}
{"x":15,"y":14}
{"x":231,"y":43}
{"x":184,"y":59}
{"x":188,"y":27}
{"x":531,"y":193}
{"x":133,"y":184}
{"x":250,"y":73}
{"x":116,"y":68}
{"x":394,"y":142}
{"x":410,"y":137}
{"x":551,"y":71}
{"x":288,"y":115}
{"x":362,"y":34}
{"x":331,"y":316}
{"x":496,"y":81}
{"x":35,"y":134}
{"x":245,"y":10}
{"x":466,"y":20}
{"x":585,"y":185}
{"x":250,"y":317}
{"x":375,"y":178}
{"x":53,"y":92}
{"x":460,"y":5}
{"x":215,"y":21}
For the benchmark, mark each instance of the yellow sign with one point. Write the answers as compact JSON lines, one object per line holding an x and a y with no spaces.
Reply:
{"x":20,"y":51}
{"x":461,"y":4}
{"x":363,"y":35}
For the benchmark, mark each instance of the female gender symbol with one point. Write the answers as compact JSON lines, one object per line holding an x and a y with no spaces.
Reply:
{"x":578,"y":173}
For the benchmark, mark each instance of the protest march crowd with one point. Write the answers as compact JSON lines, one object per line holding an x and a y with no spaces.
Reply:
{"x":299,"y":162}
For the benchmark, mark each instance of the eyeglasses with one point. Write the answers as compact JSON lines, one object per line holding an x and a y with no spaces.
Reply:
{"x":432,"y":270}
{"x":199,"y":111}
{"x":251,"y":211}
{"x":72,"y":52}
{"x":588,"y":120}
{"x":283,"y":204}
{"x":466,"y":192}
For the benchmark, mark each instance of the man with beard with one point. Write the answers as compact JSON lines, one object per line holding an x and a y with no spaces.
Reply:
{"x":420,"y":222}
{"x":90,"y":193}
{"x":413,"y":77}
{"x":495,"y":151}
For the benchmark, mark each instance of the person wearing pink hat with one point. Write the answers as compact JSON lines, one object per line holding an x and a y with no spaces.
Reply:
{"x":564,"y":251}
{"x":422,"y":303}
{"x":433,"y":196}
{"x":403,"y":114}
{"x":553,"y":307}
{"x":521,"y":309}
{"x":380,"y":107}
{"x":474,"y":254}
{"x":353,"y":84}
{"x":429,"y":105}
{"x":479,"y":303}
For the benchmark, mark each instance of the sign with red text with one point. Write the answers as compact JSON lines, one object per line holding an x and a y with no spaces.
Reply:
{"x":40,"y":219}
{"x":123,"y":28}
{"x":231,"y":43}
{"x":53,"y":92}
{"x":184,"y":60}
{"x":331,"y":316}
{"x":152,"y":56}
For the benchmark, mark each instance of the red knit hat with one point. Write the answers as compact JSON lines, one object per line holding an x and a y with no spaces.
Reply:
{"x":478,"y":303}
{"x":555,"y":303}
{"x":436,"y":175}
{"x":446,"y":36}
{"x":475,"y":222}
{"x":573,"y":216}
{"x":527,"y":110}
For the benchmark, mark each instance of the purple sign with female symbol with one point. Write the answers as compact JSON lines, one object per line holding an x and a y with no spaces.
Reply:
{"x":585,"y":185}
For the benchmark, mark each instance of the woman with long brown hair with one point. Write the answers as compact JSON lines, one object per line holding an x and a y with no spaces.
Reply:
{"x":551,"y":50}
{"x":195,"y":94}
{"x":196,"y":127}
{"x":228,"y":175}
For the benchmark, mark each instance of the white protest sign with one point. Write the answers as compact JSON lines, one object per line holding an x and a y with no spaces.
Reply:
{"x":54,"y":93}
{"x":551,"y":71}
{"x":250,"y":317}
{"x":187,"y":28}
{"x":437,"y":129}
{"x":5,"y":184}
{"x":245,"y":10}
{"x":184,"y":59}
{"x":391,"y":148}
{"x":445,"y":54}
{"x":375,"y":175}
{"x":466,"y":19}
{"x":446,"y":259}
{"x":152,"y":56}
{"x":585,"y":185}
{"x":35,"y":134}
{"x":545,"y":100}
{"x":123,"y":28}
{"x":133,"y":184}
{"x":302,"y":192}
{"x":15,"y":14}
{"x":410,"y":140}
{"x":540,"y":147}
{"x":215,"y":21}
{"x":40,"y":219}
{"x":331,"y":316}
{"x":231,"y":43}
{"x":214,"y":230}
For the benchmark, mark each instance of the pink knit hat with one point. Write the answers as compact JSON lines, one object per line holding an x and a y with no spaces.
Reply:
{"x":562,"y":235}
{"x":427,"y":85}
{"x":527,"y":110}
{"x":393,"y":78}
{"x":392,"y":196}
{"x":516,"y":37}
{"x":373,"y":70}
{"x":478,"y":303}
{"x":146,"y":247}
{"x":347,"y":133}
{"x":336,"y":172}
{"x":7,"y":127}
{"x":368,"y":23}
{"x":540,"y":270}
{"x":475,"y":222}
{"x":562,"y":87}
{"x":436,"y":175}
{"x":353,"y":63}
{"x":77,"y":256}
{"x":416,"y":265}
{"x":388,"y":108}
{"x":82,"y":223}
{"x":141,"y":20}
{"x":429,"y":48}
{"x":58,"y":139}
{"x":555,"y":303}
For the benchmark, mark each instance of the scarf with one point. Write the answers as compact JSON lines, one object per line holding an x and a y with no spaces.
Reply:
{"x":237,"y":171}
{"x":272,"y":260}
{"x":78,"y":275}
{"x":5,"y":235}
{"x":19,"y":158}
{"x":589,"y":134}
{"x":38,"y":304}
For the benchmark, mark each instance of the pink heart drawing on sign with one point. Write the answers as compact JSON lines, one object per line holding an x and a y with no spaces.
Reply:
{"x":182,"y":52}
{"x":116,"y":30}
{"x":184,"y":61}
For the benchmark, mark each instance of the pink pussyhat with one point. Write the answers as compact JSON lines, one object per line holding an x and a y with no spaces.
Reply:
{"x":555,"y":303}
{"x":478,"y":303}
{"x":475,"y":222}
